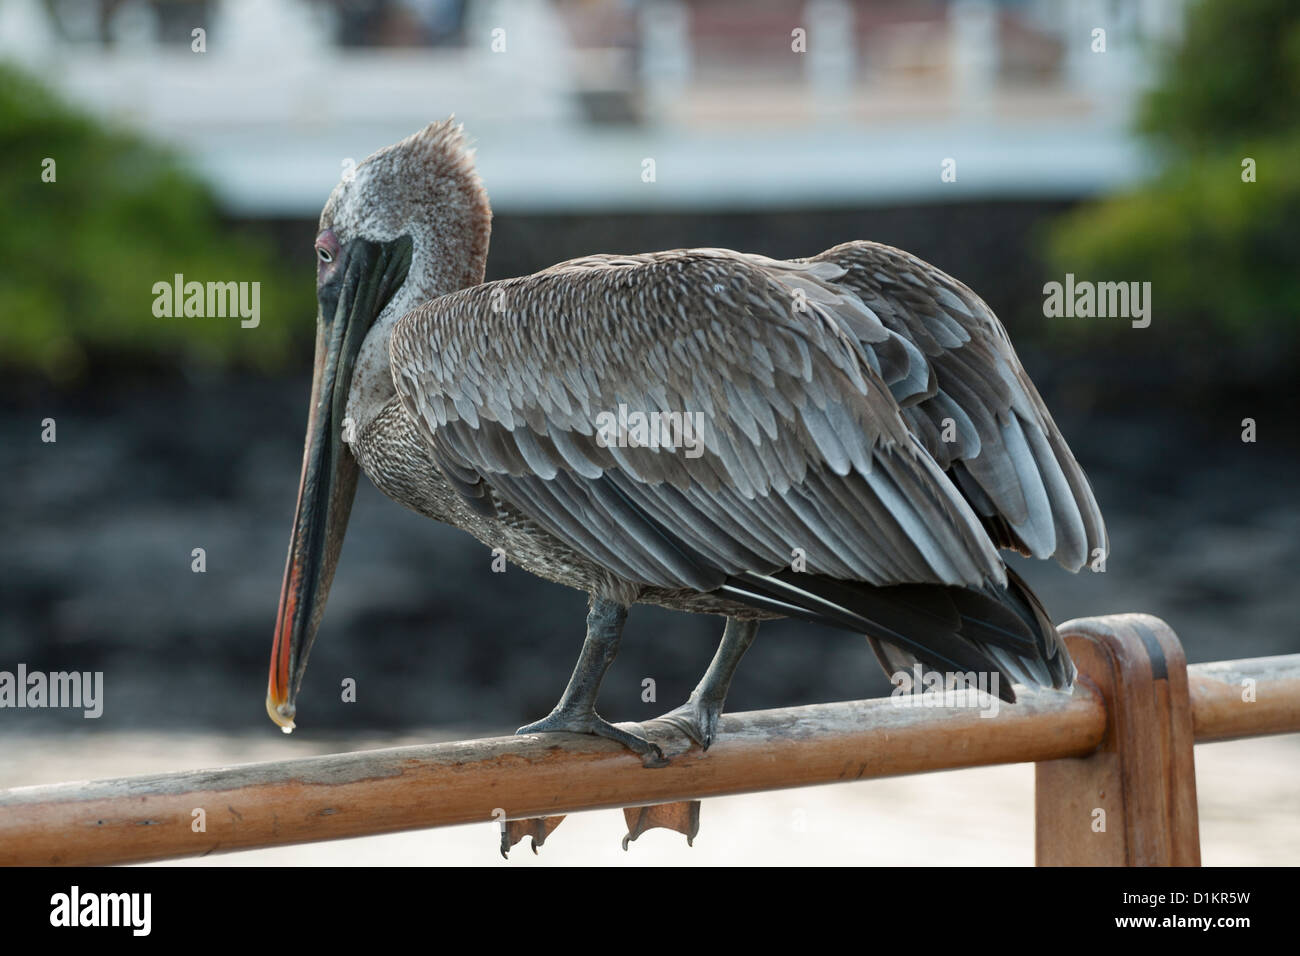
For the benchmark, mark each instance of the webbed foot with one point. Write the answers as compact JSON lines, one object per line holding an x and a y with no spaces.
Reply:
{"x":589,"y":722}
{"x":539,"y":828}
{"x":683,"y":816}
{"x":697,"y":719}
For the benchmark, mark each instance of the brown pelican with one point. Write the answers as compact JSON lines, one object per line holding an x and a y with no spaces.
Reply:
{"x":866,"y":443}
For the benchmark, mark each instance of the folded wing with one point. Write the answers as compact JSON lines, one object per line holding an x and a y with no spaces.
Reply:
{"x":801,"y":443}
{"x":702,"y":419}
{"x":963,"y":392}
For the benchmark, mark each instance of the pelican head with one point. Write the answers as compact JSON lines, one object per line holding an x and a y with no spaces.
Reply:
{"x":406,"y":225}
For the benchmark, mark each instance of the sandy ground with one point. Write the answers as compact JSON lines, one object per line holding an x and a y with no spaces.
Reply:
{"x":1249,"y":794}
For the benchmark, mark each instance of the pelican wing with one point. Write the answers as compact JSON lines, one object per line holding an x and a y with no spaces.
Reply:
{"x":688,"y":417}
{"x":971,"y":404}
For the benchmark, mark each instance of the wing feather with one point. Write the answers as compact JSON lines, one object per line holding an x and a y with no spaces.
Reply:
{"x":1008,"y":456}
{"x":803,"y":441}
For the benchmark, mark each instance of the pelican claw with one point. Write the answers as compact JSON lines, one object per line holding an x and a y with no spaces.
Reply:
{"x":697,"y":719}
{"x":589,"y":722}
{"x":539,"y":828}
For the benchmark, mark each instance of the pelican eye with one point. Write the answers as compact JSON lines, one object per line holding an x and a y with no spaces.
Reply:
{"x":323,"y":254}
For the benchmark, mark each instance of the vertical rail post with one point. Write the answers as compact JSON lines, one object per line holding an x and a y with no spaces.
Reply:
{"x":1133,"y":801}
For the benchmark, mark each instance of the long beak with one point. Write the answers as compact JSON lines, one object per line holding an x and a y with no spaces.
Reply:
{"x":366,"y":277}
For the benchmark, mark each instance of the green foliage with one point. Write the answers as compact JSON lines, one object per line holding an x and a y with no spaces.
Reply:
{"x":82,"y":253}
{"x":1235,"y":76}
{"x":1218,"y":252}
{"x":1222,"y":254}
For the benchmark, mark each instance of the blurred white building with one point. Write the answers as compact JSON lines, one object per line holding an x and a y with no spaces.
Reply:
{"x":739,"y":104}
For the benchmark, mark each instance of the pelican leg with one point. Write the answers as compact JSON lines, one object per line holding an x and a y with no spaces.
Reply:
{"x":576,"y":711}
{"x":698,"y":717}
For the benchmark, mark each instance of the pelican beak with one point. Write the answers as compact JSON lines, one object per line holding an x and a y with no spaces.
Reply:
{"x":361,"y":284}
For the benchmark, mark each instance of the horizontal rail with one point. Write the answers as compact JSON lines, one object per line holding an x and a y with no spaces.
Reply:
{"x":153,"y":817}
{"x":1248,"y":698}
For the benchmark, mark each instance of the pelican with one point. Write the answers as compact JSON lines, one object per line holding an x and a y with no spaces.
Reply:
{"x":853,"y":439}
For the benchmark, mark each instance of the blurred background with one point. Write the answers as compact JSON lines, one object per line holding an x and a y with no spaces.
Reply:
{"x":1008,"y":143}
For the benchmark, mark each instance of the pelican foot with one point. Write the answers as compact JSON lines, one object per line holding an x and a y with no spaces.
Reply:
{"x":683,"y":816}
{"x":697,"y":719}
{"x":589,"y":722}
{"x":539,"y":828}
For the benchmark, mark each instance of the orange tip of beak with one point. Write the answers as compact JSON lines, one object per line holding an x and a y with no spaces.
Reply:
{"x":281,"y":713}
